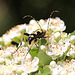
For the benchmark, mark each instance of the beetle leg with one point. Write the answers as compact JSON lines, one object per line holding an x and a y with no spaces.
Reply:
{"x":30,"y":48}
{"x":35,"y":43}
{"x":47,"y":35}
{"x":48,"y":38}
{"x":21,"y":41}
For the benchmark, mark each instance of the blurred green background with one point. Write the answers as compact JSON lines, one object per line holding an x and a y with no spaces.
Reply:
{"x":13,"y":11}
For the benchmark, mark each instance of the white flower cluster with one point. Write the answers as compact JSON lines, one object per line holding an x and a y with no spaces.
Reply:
{"x":57,"y":24}
{"x":56,"y":50}
{"x":60,"y":44}
{"x":17,"y":64}
{"x":62,"y":67}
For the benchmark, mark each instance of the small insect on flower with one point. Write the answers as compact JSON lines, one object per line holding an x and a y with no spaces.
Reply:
{"x":37,"y":34}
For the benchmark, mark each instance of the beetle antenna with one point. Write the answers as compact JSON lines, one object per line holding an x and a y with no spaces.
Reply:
{"x":32,"y":18}
{"x":50,"y":17}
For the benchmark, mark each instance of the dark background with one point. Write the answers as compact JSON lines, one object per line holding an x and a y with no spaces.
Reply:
{"x":13,"y":11}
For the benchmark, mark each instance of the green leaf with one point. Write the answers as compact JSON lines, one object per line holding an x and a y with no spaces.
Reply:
{"x":8,"y":44}
{"x":34,"y":52}
{"x":44,"y":71}
{"x":73,"y":33}
{"x":16,"y":39}
{"x":42,"y":41}
{"x":2,"y":43}
{"x":40,"y":66}
{"x":44,"y":59}
{"x":33,"y":73}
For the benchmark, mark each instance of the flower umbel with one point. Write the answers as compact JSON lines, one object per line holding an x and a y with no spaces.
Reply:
{"x":56,"y":51}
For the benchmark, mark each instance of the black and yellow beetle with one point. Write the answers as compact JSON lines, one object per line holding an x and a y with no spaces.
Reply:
{"x":39,"y":33}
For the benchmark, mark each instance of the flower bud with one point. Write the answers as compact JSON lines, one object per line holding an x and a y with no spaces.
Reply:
{"x":8,"y":54}
{"x":72,"y":39}
{"x":19,"y":71}
{"x":72,"y":54}
{"x":32,"y":22}
{"x":68,"y":45}
{"x":57,"y":36}
{"x":2,"y":60}
{"x":53,"y":63}
{"x":42,"y":47}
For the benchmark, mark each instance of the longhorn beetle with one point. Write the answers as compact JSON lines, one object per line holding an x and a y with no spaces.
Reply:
{"x":39,"y":33}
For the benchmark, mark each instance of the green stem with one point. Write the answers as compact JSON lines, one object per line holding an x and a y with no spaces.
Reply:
{"x":65,"y":54}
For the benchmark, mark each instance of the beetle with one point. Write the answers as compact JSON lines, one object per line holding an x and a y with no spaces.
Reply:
{"x":37,"y":34}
